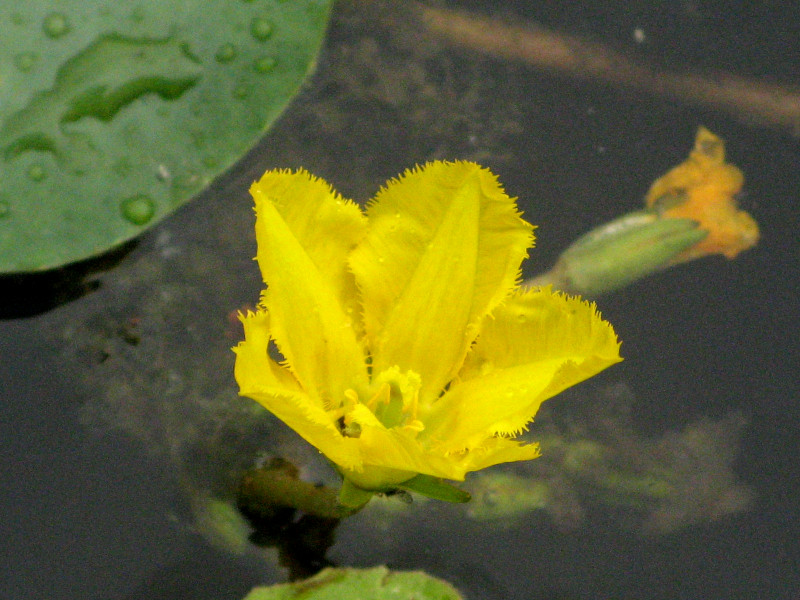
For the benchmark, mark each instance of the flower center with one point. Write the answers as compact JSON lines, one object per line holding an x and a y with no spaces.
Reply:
{"x":392,"y":403}
{"x":387,"y":405}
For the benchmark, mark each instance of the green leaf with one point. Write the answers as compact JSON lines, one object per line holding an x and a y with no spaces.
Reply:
{"x":378,"y":583}
{"x":113,"y":114}
{"x":435,"y":488}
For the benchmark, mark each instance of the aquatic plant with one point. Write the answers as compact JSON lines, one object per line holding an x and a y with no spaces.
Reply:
{"x":409,"y":354}
{"x":690,"y":212}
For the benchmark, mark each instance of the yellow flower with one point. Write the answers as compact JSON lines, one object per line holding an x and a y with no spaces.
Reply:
{"x":704,"y":188}
{"x":408,"y":347}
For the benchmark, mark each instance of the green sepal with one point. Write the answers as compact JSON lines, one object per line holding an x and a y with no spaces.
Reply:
{"x":353,"y":497}
{"x":435,"y":488}
{"x":624,"y":250}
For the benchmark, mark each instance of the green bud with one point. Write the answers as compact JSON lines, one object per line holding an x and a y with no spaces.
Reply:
{"x":621,"y":251}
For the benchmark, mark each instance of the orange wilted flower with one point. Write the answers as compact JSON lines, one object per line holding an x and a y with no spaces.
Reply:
{"x":704,"y":188}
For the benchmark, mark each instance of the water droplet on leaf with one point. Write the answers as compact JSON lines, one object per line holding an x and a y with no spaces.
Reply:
{"x":261,"y":28}
{"x":162,"y":173}
{"x":138,"y":210}
{"x":25,"y":61}
{"x":36,"y":173}
{"x":98,"y":82}
{"x":5,"y":209}
{"x":198,"y":139}
{"x":225,"y":53}
{"x":55,"y":25}
{"x":265,"y":64}
{"x":240,"y":91}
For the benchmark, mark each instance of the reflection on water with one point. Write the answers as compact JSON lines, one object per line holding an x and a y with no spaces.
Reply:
{"x":144,"y":359}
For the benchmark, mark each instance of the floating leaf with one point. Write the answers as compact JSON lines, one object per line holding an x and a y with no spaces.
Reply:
{"x":112,"y":115}
{"x":378,"y":583}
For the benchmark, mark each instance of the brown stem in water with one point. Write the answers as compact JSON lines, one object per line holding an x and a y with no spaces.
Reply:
{"x":270,"y":489}
{"x":579,"y":58}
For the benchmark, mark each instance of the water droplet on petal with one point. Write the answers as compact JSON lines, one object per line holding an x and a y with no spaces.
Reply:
{"x":25,"y":61}
{"x":138,"y":210}
{"x":225,"y":53}
{"x":265,"y":64}
{"x":261,"y":28}
{"x":55,"y":25}
{"x":36,"y":173}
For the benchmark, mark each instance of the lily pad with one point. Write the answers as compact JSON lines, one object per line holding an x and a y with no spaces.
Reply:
{"x":378,"y":583}
{"x":113,"y":114}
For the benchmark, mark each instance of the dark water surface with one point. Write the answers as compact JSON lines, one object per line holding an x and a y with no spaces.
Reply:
{"x":107,"y":398}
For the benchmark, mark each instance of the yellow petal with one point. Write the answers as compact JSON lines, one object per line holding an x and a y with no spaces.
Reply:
{"x":326,"y":225}
{"x":401,"y":451}
{"x":532,"y":347}
{"x":274,"y":387}
{"x":443,"y":248}
{"x":304,"y":233}
{"x":495,"y":451}
{"x":315,"y":425}
{"x":254,"y":369}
